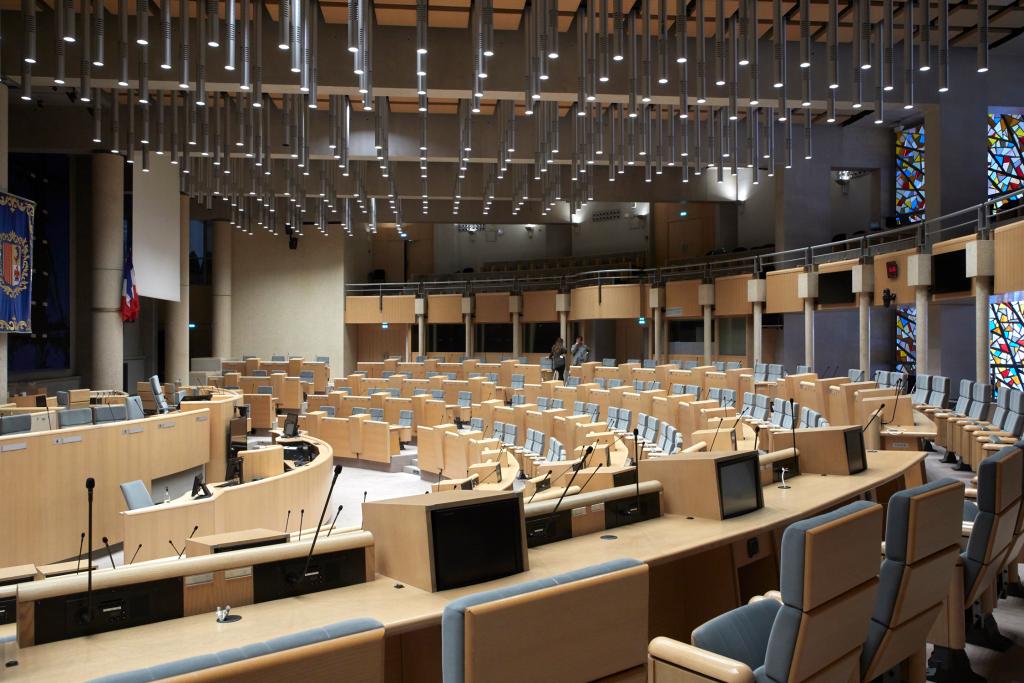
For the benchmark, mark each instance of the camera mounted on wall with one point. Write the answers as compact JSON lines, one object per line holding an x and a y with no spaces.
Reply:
{"x":888,"y":297}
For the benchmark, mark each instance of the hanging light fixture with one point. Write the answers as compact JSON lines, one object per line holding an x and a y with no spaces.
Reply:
{"x":231,"y":35}
{"x":69,"y":19}
{"x":142,"y":22}
{"x":943,"y":46}
{"x":889,"y":53}
{"x":97,"y":118}
{"x":778,"y":44}
{"x":864,"y":7}
{"x":702,"y":57}
{"x":719,"y":42}
{"x":122,"y":42}
{"x":832,"y":42}
{"x":98,"y":32}
{"x":982,"y":36}
{"x":908,"y":54}
{"x":59,"y":50}
{"x":213,"y":16}
{"x":618,"y":38}
{"x":805,"y":34}
{"x":880,"y":80}
{"x":165,"y":34}
{"x":28,"y":16}
{"x":186,"y":48}
{"x":925,"y":31}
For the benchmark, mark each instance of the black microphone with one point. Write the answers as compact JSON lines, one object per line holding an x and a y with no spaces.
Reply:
{"x":135,"y":553}
{"x":336,"y":515}
{"x":86,"y":618}
{"x":636,"y":443}
{"x":286,"y":520}
{"x":497,"y":469}
{"x":185,"y":544}
{"x":81,"y":544}
{"x":175,"y":547}
{"x":302,"y":513}
{"x":792,"y":422}
{"x":564,"y":491}
{"x":364,"y":496}
{"x":757,"y":440}
{"x":899,"y":387}
{"x":537,"y":489}
{"x":584,"y":487}
{"x":330,"y":492}
{"x":873,"y":416}
{"x":109,"y":554}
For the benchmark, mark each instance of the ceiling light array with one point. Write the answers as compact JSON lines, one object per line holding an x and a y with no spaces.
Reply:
{"x":237,"y":167}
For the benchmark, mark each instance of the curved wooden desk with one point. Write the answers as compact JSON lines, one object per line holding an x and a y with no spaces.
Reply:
{"x":694,"y":566}
{"x":42,"y":485}
{"x":259,"y":504}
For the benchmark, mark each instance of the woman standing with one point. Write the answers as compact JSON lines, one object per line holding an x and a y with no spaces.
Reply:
{"x":558,"y":352}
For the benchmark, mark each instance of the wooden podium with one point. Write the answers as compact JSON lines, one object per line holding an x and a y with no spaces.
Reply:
{"x":448,"y":539}
{"x":693,"y":483}
{"x":825,"y":450}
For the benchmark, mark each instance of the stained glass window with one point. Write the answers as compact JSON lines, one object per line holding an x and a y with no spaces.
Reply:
{"x":910,"y":174}
{"x":906,"y":339}
{"x":1005,"y":163}
{"x":1006,"y":343}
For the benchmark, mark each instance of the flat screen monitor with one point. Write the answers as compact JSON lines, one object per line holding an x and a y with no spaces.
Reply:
{"x":855,"y":455}
{"x":291,"y":426}
{"x":836,"y":288}
{"x":739,"y":485}
{"x":41,"y":401}
{"x":949,"y":273}
{"x":477,"y":542}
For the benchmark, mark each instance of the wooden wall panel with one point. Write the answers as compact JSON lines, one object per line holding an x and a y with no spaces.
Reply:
{"x":681,"y":299}
{"x":362,"y":309}
{"x":904,"y":292}
{"x":1009,"y":247}
{"x":612,"y":302}
{"x":837,"y":266}
{"x":731,"y":296}
{"x":375,"y":343}
{"x":955,"y":244}
{"x":539,"y":306}
{"x":375,"y":310}
{"x":444,"y":308}
{"x":781,"y":291}
{"x":492,"y":307}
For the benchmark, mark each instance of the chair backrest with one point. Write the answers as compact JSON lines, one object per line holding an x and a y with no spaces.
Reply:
{"x":855,"y":374}
{"x":377,"y":414}
{"x":405,"y":417}
{"x":676,"y":390}
{"x":803,"y":369}
{"x":545,"y":364}
{"x":609,"y":362}
{"x":760,"y":372}
{"x":963,"y":401}
{"x":593,"y":410}
{"x":510,"y":435}
{"x":534,"y":441}
{"x":16,"y":424}
{"x":922,"y":541}
{"x":578,"y":408}
{"x":518,"y":400}
{"x":775,"y":371}
{"x":732,"y":365}
{"x":981,"y":398}
{"x":133,"y":405}
{"x":719,"y":365}
{"x":355,"y":646}
{"x":780,"y":407}
{"x":74,"y":417}
{"x":649,"y":431}
{"x":108,"y":412}
{"x":805,"y":417}
{"x":568,"y":616}
{"x":437,"y":394}
{"x":278,"y":359}
{"x":359,"y":410}
{"x":323,"y":359}
{"x":748,"y":402}
{"x":624,"y":418}
{"x":999,"y":500}
{"x":938,"y":391}
{"x":264,"y":390}
{"x":572,"y":381}
{"x":465,"y":399}
{"x":692,"y":389}
{"x":328,"y":410}
{"x":922,"y":385}
{"x":828,"y":576}
{"x":760,"y":407}
{"x":518,"y":381}
{"x":715,"y":394}
{"x":689,"y":364}
{"x":136,"y":496}
{"x":498,"y":430}
{"x":614,"y":382}
{"x":556,"y":451}
{"x":476,"y":424}
{"x":728,"y":397}
{"x":542,"y":402}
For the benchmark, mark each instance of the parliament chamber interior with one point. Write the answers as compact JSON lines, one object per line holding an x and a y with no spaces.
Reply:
{"x":632,"y":340}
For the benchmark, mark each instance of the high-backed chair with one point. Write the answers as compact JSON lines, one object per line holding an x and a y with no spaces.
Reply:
{"x":676,"y":390}
{"x":278,"y":359}
{"x":692,"y":389}
{"x":556,"y":404}
{"x":16,"y":424}
{"x":556,"y":451}
{"x":518,"y":399}
{"x":650,"y":363}
{"x":476,"y":424}
{"x":922,"y":544}
{"x":108,"y":412}
{"x":760,"y":372}
{"x":74,"y":417}
{"x":938,"y":394}
{"x":568,"y":616}
{"x":993,"y":526}
{"x":518,"y":381}
{"x":572,"y":381}
{"x":689,"y":364}
{"x":813,"y":630}
{"x":133,"y":406}
{"x":579,"y":408}
{"x":323,"y":359}
{"x":158,"y":394}
{"x":350,"y":650}
{"x":855,"y":374}
{"x":715,"y":394}
{"x":803,"y":369}
{"x":136,"y":496}
{"x":922,"y":387}
{"x":775,"y":372}
{"x":609,"y":362}
{"x":534,"y":442}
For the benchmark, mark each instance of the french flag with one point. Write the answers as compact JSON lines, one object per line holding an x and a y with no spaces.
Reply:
{"x":129,"y":294}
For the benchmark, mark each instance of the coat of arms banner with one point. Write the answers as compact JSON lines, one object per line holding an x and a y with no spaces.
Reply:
{"x":17,"y":218}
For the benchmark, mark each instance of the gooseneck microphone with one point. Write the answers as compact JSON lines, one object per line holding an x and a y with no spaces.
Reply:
{"x":873,"y":416}
{"x":636,"y":443}
{"x":86,"y":617}
{"x":713,"y":438}
{"x":185,"y":544}
{"x":330,"y":492}
{"x":302,"y":513}
{"x":537,"y":488}
{"x":896,"y":404}
{"x":286,"y":520}
{"x":135,"y":554}
{"x":106,"y":544}
{"x":792,"y":422}
{"x":81,"y":545}
{"x":497,"y":469}
{"x":584,"y":487}
{"x":336,"y":515}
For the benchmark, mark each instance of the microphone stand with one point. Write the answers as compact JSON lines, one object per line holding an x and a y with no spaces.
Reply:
{"x":90,"y":485}
{"x":899,"y":387}
{"x":337,"y":472}
{"x":537,"y":488}
{"x":336,"y":515}
{"x":81,"y":544}
{"x":109,"y":554}
{"x":135,"y":554}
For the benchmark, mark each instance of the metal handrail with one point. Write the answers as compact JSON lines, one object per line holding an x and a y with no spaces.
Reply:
{"x":979,"y":219}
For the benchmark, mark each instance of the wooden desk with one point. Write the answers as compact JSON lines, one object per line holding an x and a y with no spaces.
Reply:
{"x":23,"y":572}
{"x":683,"y":591}
{"x":232,"y":540}
{"x":221,"y":408}
{"x":64,"y":568}
{"x":259,"y":504}
{"x":42,"y":490}
{"x":262,"y":463}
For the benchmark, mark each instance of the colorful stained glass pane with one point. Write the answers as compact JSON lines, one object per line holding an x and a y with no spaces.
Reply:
{"x":1005,"y":163}
{"x":910,"y":174}
{"x":906,"y":339}
{"x":1006,"y":344}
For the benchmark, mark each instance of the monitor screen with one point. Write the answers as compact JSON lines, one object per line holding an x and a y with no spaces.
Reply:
{"x":739,"y":485}
{"x":291,"y":425}
{"x":855,"y":455}
{"x":949,"y":272}
{"x":836,"y":288}
{"x":476,"y":542}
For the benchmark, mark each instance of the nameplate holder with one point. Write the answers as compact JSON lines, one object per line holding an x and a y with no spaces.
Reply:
{"x":237,"y":573}
{"x":579,"y":512}
{"x":168,"y":425}
{"x":134,"y":430}
{"x":61,"y":440}
{"x":597,"y":507}
{"x":202,"y":418}
{"x":199,"y":579}
{"x":13,"y":447}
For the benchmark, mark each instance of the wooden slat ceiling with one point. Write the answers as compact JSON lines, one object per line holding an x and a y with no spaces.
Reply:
{"x":1007,"y":16}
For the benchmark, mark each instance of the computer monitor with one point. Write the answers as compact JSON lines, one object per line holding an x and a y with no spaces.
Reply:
{"x":199,"y":489}
{"x":41,"y":401}
{"x":243,"y":410}
{"x":856,"y":457}
{"x":291,"y":426}
{"x":476,"y":542}
{"x":739,"y":485}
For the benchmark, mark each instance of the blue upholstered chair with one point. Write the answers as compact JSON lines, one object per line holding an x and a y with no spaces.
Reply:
{"x":356,"y":644}
{"x":108,"y":412}
{"x":133,"y":405}
{"x":572,"y":381}
{"x":74,"y":417}
{"x":922,"y":542}
{"x":587,"y":599}
{"x":15,"y":424}
{"x":135,"y":495}
{"x":938,"y":394}
{"x":922,"y":386}
{"x":855,"y":375}
{"x":814,"y":628}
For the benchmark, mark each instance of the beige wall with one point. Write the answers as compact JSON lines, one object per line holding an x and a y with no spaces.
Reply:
{"x":288,"y":302}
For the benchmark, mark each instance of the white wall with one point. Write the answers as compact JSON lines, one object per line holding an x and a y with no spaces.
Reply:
{"x":288,"y":302}
{"x":156,"y":224}
{"x":629,"y":233}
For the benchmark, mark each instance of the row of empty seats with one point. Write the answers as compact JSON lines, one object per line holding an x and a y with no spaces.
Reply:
{"x":931,"y":390}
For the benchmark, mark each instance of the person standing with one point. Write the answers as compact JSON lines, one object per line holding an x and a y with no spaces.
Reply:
{"x":558,"y":353}
{"x":580,"y":351}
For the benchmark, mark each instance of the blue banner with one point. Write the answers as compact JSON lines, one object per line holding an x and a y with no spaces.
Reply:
{"x":17,"y":219}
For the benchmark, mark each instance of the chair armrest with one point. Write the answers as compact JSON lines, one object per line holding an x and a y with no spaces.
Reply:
{"x":693,"y":659}
{"x":770,"y":595}
{"x":1000,"y":445}
{"x":971,"y":492}
{"x":966,"y":528}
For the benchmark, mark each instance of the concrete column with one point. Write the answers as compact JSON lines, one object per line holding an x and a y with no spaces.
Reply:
{"x":982,"y":291}
{"x":176,"y":330}
{"x":562,"y":301}
{"x":659,"y":339}
{"x":921,"y":304}
{"x":408,"y":343}
{"x":107,"y":371}
{"x":468,"y":320}
{"x":706,"y":299}
{"x":421,"y":332}
{"x":515,"y":307}
{"x":757,"y":294}
{"x":864,"y":332}
{"x":222,"y":236}
{"x":807,"y":289}
{"x":563,"y":325}
{"x":4,"y":179}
